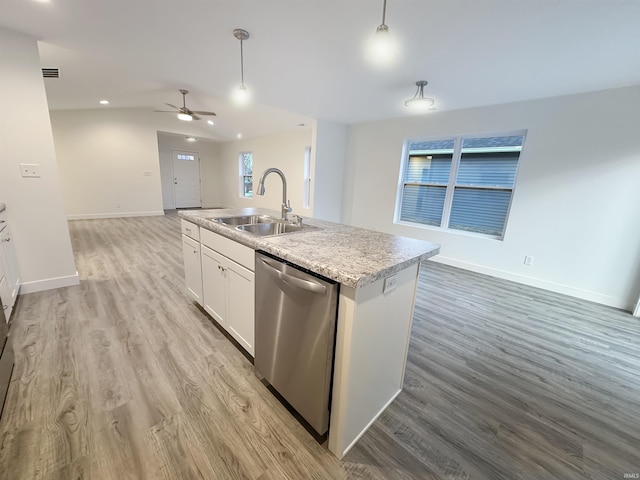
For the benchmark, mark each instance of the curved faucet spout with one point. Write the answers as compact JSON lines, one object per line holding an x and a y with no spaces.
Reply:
{"x":286,"y":205}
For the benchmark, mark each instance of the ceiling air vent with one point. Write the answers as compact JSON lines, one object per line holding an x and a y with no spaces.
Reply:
{"x":50,"y":73}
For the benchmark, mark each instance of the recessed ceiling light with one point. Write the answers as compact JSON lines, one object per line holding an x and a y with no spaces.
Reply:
{"x":210,"y":122}
{"x":104,"y":102}
{"x":239,"y":135}
{"x":191,"y":139}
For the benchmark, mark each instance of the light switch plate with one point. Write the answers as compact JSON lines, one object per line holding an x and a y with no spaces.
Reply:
{"x":29,"y":169}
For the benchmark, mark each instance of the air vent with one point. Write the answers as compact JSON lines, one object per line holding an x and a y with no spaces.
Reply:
{"x":50,"y":73}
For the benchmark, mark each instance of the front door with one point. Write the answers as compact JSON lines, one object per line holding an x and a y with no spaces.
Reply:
{"x":186,"y":179}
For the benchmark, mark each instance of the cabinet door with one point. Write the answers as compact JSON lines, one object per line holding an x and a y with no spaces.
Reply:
{"x":214,"y":285}
{"x":5,"y":298}
{"x":9,"y":265}
{"x":240,"y":318}
{"x":192,"y":267}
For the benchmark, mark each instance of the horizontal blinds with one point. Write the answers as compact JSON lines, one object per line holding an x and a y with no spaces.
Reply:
{"x":428,"y":169}
{"x":479,"y":210}
{"x":423,"y":204}
{"x":488,"y":169}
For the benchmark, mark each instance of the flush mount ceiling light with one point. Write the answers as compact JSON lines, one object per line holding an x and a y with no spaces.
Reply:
{"x":104,"y":102}
{"x":210,"y":122}
{"x":419,"y":102}
{"x":191,"y":139}
{"x":241,"y":94}
{"x":382,"y":47}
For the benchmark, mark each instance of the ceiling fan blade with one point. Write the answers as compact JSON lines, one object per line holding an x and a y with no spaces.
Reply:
{"x":164,"y":111}
{"x":204,"y":113}
{"x":195,"y":117}
{"x":172,"y":106}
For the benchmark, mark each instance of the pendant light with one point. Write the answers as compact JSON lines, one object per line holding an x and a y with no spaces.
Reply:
{"x":382,"y":49}
{"x":419,"y":102}
{"x":241,"y":94}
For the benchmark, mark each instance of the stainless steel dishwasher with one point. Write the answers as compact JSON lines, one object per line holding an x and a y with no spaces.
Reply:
{"x":295,"y":319}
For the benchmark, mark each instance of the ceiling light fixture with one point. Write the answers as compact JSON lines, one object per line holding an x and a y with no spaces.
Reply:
{"x":185,"y":117}
{"x":382,"y":49}
{"x":239,"y":135}
{"x":104,"y":102}
{"x":419,"y":102}
{"x":241,"y":94}
{"x":210,"y":122}
{"x":191,"y":139}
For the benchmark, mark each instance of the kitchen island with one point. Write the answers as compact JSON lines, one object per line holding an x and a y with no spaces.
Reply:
{"x":378,"y":275}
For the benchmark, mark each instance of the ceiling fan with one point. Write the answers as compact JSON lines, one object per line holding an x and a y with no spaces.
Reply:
{"x":183,"y":112}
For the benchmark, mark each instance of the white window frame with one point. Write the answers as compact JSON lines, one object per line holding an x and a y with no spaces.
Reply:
{"x":306,"y":179}
{"x":453,"y":173}
{"x":242,"y":174}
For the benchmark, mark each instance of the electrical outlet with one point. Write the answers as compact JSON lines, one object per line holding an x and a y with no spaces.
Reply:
{"x":390,"y":283}
{"x":30,"y":170}
{"x":528,"y":260}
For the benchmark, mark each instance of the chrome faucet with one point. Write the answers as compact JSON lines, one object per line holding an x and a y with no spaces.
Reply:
{"x":286,"y":205}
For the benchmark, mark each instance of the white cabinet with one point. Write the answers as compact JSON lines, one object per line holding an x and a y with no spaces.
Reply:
{"x":228,"y":291}
{"x":9,"y":277}
{"x":218,"y":273}
{"x":240,"y":306}
{"x":214,"y":285}
{"x":192,"y":267}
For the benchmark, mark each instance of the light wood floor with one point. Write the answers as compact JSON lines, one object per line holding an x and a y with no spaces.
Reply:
{"x":123,"y":377}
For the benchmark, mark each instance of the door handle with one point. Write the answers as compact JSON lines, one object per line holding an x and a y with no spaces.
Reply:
{"x":294,"y":281}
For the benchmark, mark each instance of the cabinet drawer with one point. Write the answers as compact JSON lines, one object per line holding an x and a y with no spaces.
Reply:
{"x":237,"y":252}
{"x":190,"y":229}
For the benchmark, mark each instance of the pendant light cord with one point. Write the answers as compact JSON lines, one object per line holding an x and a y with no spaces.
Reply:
{"x":242,"y":63}
{"x":384,"y":11}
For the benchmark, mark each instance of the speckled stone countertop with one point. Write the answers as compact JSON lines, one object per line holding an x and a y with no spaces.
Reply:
{"x":349,"y":255}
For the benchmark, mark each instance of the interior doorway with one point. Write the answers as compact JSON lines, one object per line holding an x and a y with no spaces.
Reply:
{"x":186,"y":179}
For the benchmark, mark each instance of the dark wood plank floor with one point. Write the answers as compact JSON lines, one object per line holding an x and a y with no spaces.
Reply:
{"x":124,"y":377}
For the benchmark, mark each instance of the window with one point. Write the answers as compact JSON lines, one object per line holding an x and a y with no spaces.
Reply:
{"x":461,"y":183}
{"x":306,"y":186}
{"x":246,"y":174}
{"x":182,"y":156}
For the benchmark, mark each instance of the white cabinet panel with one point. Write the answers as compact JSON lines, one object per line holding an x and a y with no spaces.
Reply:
{"x":5,"y":295}
{"x":192,"y":267}
{"x":214,"y":285}
{"x":240,"y":319}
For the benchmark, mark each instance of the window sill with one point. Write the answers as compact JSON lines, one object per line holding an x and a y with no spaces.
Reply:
{"x":422,"y":226}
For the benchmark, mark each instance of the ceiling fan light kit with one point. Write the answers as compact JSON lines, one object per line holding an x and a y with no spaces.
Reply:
{"x":419,"y":102}
{"x":241,"y":95}
{"x":183,"y":112}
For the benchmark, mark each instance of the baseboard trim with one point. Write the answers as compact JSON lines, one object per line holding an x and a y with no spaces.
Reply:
{"x":49,"y":284}
{"x":596,"y":297}
{"x":94,"y":216}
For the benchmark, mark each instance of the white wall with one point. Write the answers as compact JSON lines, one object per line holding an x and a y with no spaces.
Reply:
{"x":577,"y":199}
{"x":328,"y":154}
{"x":108,"y":162}
{"x":34,"y":205}
{"x":209,"y":154}
{"x":283,"y":151}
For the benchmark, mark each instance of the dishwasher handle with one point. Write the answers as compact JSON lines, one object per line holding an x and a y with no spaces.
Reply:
{"x":293,"y":281}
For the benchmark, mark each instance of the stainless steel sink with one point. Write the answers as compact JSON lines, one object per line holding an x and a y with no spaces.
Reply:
{"x":247,"y":220}
{"x":279,"y":228}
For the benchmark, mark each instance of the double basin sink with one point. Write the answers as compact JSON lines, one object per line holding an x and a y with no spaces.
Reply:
{"x":263,"y":225}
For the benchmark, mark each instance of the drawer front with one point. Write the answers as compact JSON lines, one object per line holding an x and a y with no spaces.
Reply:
{"x":190,"y":229}
{"x":231,"y":249}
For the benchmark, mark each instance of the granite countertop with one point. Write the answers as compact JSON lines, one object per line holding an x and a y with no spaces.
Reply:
{"x":349,"y":255}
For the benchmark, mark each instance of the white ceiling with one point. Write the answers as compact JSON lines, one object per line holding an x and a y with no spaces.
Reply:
{"x":305,"y":58}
